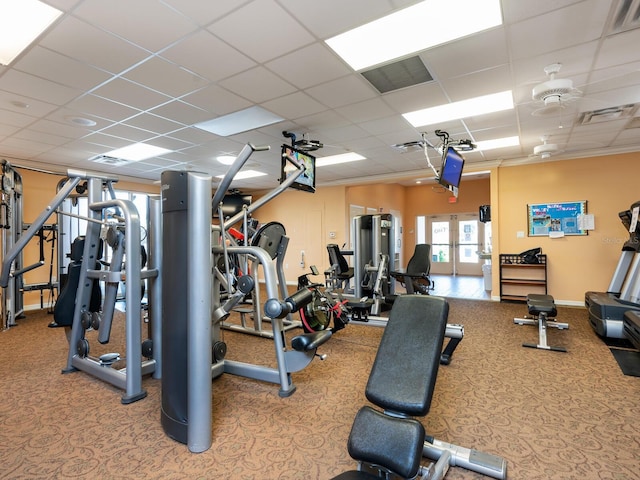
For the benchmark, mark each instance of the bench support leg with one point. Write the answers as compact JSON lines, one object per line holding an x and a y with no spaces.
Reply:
{"x":543,"y":322}
{"x":484,"y":463}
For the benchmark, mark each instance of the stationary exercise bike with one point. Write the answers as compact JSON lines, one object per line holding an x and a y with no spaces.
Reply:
{"x":323,"y":308}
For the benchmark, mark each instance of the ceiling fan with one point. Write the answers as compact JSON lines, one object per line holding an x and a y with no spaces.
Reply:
{"x":546,"y":149}
{"x":554,"y":93}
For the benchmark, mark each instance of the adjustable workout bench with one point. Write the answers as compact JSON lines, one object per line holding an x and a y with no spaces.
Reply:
{"x":391,"y":444}
{"x":542,"y":309}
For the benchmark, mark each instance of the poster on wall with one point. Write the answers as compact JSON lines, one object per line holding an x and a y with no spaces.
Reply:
{"x":556,"y":219}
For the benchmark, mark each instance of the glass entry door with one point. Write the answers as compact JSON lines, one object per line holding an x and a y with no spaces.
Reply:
{"x":455,"y":242}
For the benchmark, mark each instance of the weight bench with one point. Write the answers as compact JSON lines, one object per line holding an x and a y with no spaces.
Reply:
{"x":391,"y":443}
{"x":542,"y":311}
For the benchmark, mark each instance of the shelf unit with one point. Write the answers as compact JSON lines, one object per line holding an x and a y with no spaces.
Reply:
{"x":518,"y":279}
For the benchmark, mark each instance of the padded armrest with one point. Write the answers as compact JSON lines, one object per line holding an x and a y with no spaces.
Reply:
{"x":394,"y":443}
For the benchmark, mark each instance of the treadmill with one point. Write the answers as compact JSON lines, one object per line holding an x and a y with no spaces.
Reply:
{"x":607,"y":309}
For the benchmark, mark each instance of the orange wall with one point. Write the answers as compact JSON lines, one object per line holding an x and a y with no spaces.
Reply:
{"x":311,"y":220}
{"x":576,"y":264}
{"x":431,"y":199}
{"x":301,"y":213}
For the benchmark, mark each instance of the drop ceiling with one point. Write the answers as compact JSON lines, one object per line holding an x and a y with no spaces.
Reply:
{"x":149,"y":70}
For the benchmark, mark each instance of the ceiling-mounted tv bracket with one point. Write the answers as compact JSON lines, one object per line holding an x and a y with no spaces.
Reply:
{"x":465,"y":145}
{"x":303,"y":144}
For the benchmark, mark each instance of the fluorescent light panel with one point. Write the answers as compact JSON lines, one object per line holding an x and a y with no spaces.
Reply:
{"x":21,"y":22}
{"x":337,"y":159}
{"x":241,"y":121}
{"x":245,"y":174}
{"x":498,"y":143}
{"x":472,"y":107}
{"x":137,"y":152}
{"x":416,"y":28}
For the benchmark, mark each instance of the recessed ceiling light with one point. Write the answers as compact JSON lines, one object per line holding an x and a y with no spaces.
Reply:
{"x":498,"y":143}
{"x":421,"y":26}
{"x":137,"y":152}
{"x":19,"y":104}
{"x":472,"y":107}
{"x":226,"y":159}
{"x":21,"y":23}
{"x":81,"y":121}
{"x":337,"y":159}
{"x":245,"y":174}
{"x":241,"y":121}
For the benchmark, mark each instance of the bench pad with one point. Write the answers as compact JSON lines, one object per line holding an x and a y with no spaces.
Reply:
{"x":404,"y":372}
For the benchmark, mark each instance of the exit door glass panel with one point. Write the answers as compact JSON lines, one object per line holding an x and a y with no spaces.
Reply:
{"x":468,"y":241}
{"x":440,"y":246}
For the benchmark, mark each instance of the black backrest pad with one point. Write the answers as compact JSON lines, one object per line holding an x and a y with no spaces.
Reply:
{"x":404,"y":372}
{"x":420,"y":262}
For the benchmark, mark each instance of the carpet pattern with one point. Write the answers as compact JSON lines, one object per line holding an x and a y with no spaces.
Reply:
{"x":550,"y":415}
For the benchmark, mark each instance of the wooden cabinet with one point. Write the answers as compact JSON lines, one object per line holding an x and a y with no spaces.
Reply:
{"x":518,"y":279}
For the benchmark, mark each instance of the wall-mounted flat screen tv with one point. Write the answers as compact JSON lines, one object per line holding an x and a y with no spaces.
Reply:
{"x":307,"y":180}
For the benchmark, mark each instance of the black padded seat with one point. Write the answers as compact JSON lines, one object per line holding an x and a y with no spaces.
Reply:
{"x":539,"y":303}
{"x":379,"y":439}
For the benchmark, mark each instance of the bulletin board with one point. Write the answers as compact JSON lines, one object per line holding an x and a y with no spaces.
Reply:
{"x":556,"y":219}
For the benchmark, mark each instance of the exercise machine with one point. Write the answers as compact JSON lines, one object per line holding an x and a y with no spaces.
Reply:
{"x":542,"y":311}
{"x":194,"y":308}
{"x":373,"y":238}
{"x":11,"y":306}
{"x":606,"y":309}
{"x":391,"y":441}
{"x":124,"y":237}
{"x":272,"y":238}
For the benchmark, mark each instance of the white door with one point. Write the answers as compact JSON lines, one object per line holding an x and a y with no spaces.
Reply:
{"x":455,"y":242}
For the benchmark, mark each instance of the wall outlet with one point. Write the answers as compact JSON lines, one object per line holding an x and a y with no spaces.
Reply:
{"x":520,"y":234}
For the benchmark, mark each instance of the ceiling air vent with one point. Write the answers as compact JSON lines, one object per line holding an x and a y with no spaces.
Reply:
{"x":394,"y":76}
{"x":607,"y":114}
{"x":107,"y":160}
{"x":626,"y":16}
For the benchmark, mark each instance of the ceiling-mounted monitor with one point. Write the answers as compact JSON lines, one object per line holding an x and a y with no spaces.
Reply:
{"x":307,"y":179}
{"x":451,"y":171}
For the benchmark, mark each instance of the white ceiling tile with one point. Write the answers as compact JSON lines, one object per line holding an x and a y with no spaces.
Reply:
{"x":263,"y":30}
{"x":154,"y":123}
{"x":35,"y":136}
{"x":558,"y":29}
{"x":258,"y":85}
{"x":475,"y":53}
{"x":414,"y":98}
{"x":92,"y":105}
{"x":16,"y":119}
{"x":208,"y":56}
{"x":327,"y":18}
{"x":181,"y":112}
{"x":58,"y":68}
{"x":518,"y":11}
{"x":294,"y":106}
{"x":15,"y":103}
{"x":309,"y":66}
{"x":35,"y":87}
{"x":613,"y":51}
{"x":367,"y":110}
{"x":130,"y":133}
{"x":61,"y":128}
{"x":131,"y":94}
{"x":165,"y":77}
{"x":217,"y":100}
{"x":203,"y":13}
{"x":77,"y":39}
{"x":477,"y":83}
{"x":343,"y":91}
{"x":147,"y":23}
